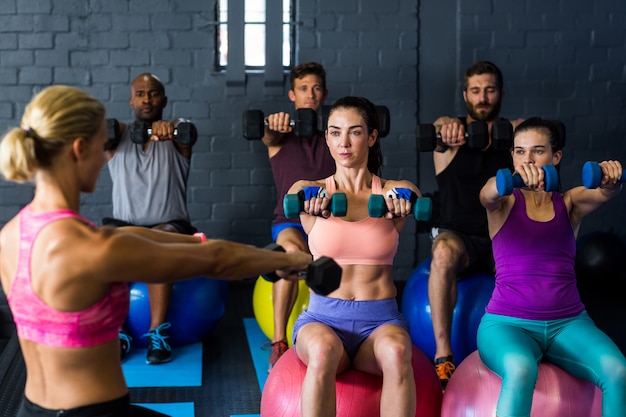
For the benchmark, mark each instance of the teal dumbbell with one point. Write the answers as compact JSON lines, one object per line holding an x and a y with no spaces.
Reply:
{"x":293,"y":204}
{"x":422,"y":206}
{"x":506,"y":181}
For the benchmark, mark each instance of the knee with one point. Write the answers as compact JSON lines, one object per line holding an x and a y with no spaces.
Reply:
{"x":395,"y":355}
{"x":615,"y":371}
{"x":324,"y":352}
{"x":520,"y":371}
{"x":445,"y":256}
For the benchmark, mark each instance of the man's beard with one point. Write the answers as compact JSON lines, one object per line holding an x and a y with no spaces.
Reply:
{"x":491,"y":114}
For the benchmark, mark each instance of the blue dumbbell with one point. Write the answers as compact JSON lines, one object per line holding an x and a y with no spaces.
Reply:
{"x":592,"y":175}
{"x":506,"y":181}
{"x":422,"y":206}
{"x":293,"y":204}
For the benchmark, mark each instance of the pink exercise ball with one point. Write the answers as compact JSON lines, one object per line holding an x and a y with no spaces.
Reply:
{"x":473,"y":391}
{"x":358,"y":393}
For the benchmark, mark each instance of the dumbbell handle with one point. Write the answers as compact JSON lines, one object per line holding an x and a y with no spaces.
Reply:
{"x":293,"y":204}
{"x":592,"y":175}
{"x":506,"y":180}
{"x":422,"y":206}
{"x":321,"y":265}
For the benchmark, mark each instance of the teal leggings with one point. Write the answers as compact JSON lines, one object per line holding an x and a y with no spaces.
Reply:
{"x":512,"y":348}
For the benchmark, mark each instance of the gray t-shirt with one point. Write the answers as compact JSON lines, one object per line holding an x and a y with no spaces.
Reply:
{"x":149,"y":187}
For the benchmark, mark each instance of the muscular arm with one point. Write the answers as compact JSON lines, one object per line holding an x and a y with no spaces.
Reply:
{"x":498,"y":207}
{"x":581,"y":201}
{"x":278,"y":124}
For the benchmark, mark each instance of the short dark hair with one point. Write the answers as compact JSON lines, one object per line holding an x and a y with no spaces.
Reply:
{"x":484,"y":67}
{"x":307,"y":68}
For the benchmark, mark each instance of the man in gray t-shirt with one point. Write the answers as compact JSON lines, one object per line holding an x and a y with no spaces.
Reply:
{"x":150,"y":190}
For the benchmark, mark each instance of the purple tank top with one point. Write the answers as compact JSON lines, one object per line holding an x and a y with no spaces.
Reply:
{"x":299,"y":159}
{"x":535,"y":277}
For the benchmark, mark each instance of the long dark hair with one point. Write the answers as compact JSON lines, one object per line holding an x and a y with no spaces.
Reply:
{"x":368,"y":111}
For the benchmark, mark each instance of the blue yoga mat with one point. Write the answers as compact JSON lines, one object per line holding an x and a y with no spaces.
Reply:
{"x":185,"y":369}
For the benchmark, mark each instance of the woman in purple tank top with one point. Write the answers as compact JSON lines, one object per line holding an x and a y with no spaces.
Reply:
{"x":66,"y":279}
{"x":535,"y":313}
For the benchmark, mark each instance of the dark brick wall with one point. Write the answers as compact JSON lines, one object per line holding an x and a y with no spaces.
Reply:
{"x":561,"y":59}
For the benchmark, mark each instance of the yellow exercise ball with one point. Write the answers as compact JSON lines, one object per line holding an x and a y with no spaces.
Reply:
{"x":264,"y":308}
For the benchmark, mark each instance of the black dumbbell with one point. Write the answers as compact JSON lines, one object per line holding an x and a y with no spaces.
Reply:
{"x":384,"y":120}
{"x":113,"y":134}
{"x":477,"y":136}
{"x":506,"y":180}
{"x":304,"y":123}
{"x":293,"y":204}
{"x":185,"y":133}
{"x":422,"y":206}
{"x":592,"y":175}
{"x":502,"y":134}
{"x":322,"y":275}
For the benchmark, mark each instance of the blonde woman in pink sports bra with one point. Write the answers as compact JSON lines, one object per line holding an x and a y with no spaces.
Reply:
{"x":66,"y":279}
{"x":358,"y":325}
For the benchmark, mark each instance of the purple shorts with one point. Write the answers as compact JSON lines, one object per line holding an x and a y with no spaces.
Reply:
{"x":352,"y":321}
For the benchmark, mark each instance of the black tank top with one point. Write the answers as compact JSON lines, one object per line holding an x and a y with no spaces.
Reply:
{"x":460,"y":184}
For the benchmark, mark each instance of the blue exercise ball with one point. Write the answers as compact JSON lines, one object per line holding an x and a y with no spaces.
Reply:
{"x":196,"y":308}
{"x":474,"y":292}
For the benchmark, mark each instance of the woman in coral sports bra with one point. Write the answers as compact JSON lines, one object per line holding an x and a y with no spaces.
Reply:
{"x":357,"y":325}
{"x":66,"y":279}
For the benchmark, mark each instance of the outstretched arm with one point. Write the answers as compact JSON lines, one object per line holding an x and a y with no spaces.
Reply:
{"x":581,"y":201}
{"x":111,"y":255}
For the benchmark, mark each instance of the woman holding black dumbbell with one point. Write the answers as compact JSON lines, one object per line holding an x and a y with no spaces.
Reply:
{"x":66,"y":280}
{"x":357,"y":325}
{"x":535,"y":313}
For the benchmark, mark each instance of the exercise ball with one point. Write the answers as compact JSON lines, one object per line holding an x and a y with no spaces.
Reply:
{"x":196,"y":307}
{"x":264,"y":309}
{"x":473,"y":294}
{"x":473,"y":391}
{"x":358,"y":393}
{"x":600,"y":261}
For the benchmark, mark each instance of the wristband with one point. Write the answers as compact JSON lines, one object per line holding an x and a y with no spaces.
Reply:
{"x":200,"y":236}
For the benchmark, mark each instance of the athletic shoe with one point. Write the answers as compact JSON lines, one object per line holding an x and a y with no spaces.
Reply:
{"x":445,"y":368}
{"x":159,"y":351}
{"x":125,"y":340}
{"x":278,"y":349}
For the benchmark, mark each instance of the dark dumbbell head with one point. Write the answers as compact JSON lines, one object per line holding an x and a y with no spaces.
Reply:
{"x":477,"y":134}
{"x":271,"y":276}
{"x":139,"y":132}
{"x":426,"y":137}
{"x":113,"y":134}
{"x":253,"y":124}
{"x":502,"y":135}
{"x":323,"y":275}
{"x":186,"y":133}
{"x":305,"y":123}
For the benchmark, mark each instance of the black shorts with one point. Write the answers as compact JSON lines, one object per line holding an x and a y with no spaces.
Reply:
{"x":115,"y":408}
{"x":183,"y":226}
{"x":479,"y":251}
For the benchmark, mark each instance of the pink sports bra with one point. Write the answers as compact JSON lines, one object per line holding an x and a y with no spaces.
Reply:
{"x":370,"y":241}
{"x":38,"y":322}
